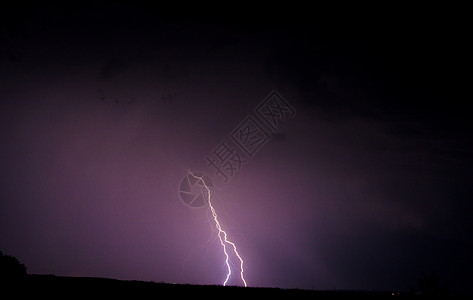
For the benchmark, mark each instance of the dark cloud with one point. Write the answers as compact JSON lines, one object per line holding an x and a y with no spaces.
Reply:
{"x":112,"y":67}
{"x":366,"y":187}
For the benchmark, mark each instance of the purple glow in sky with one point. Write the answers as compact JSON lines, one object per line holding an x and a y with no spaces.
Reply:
{"x":105,"y":108}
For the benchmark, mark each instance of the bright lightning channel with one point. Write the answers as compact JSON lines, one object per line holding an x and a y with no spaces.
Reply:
{"x":223,"y":241}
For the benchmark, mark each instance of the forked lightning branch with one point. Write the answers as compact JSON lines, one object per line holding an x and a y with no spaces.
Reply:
{"x":222,"y":235}
{"x":229,"y":157}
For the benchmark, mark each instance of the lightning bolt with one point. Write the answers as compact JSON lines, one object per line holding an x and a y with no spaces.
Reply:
{"x":222,"y":235}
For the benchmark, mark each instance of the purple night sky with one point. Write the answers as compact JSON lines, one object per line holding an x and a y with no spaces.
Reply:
{"x":105,"y":108}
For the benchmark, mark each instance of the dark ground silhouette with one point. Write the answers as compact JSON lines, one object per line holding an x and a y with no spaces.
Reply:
{"x":11,"y":269}
{"x":14,"y":278}
{"x":59,"y":286}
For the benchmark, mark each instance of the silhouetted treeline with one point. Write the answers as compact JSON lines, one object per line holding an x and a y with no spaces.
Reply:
{"x":11,"y":270}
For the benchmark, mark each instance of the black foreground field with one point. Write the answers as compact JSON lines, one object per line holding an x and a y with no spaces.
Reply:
{"x":74,"y":287}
